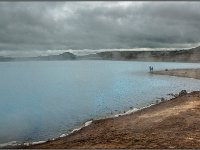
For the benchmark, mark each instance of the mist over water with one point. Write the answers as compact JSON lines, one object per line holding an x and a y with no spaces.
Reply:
{"x":81,"y":52}
{"x":41,"y":100}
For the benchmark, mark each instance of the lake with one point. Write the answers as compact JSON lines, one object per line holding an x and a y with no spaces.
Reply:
{"x":43,"y":99}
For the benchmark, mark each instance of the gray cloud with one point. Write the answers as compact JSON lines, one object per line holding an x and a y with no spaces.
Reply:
{"x":98,"y":25}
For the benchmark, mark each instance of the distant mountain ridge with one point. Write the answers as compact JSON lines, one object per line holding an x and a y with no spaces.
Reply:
{"x":191,"y":55}
{"x":63,"y":56}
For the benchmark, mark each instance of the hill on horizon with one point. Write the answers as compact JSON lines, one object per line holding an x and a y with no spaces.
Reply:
{"x":190,"y":55}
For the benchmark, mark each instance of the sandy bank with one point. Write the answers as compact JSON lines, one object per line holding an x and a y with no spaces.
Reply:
{"x":189,"y":73}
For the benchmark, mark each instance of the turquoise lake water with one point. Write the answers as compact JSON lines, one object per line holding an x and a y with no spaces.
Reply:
{"x":43,"y":99}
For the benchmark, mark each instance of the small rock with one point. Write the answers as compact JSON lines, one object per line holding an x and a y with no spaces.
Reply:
{"x":183,"y":92}
{"x":171,"y":94}
{"x":162,"y":99}
{"x":136,"y":140}
{"x":175,"y":95}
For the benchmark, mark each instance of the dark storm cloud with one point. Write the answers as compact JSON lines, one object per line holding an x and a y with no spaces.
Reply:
{"x":97,"y":25}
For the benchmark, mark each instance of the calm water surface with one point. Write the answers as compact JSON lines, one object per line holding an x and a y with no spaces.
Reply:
{"x":41,"y":100}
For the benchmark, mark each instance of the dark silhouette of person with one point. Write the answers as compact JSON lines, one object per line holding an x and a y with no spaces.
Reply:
{"x":150,"y":68}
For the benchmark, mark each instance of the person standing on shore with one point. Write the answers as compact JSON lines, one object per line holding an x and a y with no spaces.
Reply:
{"x":150,"y":68}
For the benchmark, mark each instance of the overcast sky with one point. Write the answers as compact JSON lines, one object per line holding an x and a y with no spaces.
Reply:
{"x":30,"y":26}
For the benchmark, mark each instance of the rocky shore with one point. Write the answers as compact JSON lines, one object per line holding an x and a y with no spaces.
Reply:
{"x":171,"y":123}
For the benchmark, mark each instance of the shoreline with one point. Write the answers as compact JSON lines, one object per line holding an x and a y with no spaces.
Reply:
{"x":150,"y":129}
{"x":138,"y":129}
{"x":187,"y":73}
{"x":15,"y":144}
